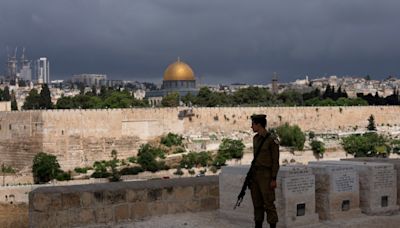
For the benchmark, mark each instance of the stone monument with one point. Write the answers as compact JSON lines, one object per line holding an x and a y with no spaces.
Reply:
{"x":337,"y":193}
{"x":378,"y":187}
{"x":295,"y":195}
{"x":394,"y":161}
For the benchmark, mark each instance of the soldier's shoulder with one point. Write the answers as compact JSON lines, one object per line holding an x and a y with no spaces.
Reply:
{"x":274,"y":137}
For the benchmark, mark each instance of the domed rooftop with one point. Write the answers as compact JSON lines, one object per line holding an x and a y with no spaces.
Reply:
{"x":178,"y":71}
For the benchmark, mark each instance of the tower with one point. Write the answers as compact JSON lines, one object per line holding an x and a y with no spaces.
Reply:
{"x":12,"y":66}
{"x":274,"y":83}
{"x":26,"y":71}
{"x":43,"y":70}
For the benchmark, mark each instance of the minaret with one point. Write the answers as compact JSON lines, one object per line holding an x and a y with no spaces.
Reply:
{"x":274,"y":83}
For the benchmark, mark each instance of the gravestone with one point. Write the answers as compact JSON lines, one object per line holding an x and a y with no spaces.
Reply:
{"x":378,"y":187}
{"x":337,"y":192}
{"x":394,"y":161}
{"x":295,"y":195}
{"x":231,"y":180}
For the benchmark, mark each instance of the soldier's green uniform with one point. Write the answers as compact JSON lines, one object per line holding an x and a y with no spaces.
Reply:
{"x":265,"y":170}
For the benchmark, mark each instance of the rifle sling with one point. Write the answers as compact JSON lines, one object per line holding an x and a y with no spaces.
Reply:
{"x":258,"y":151}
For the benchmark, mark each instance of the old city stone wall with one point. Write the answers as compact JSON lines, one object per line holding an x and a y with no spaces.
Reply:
{"x":118,"y":203}
{"x":20,"y":137}
{"x":80,"y":137}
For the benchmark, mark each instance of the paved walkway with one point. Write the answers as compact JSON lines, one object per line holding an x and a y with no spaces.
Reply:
{"x":212,"y":220}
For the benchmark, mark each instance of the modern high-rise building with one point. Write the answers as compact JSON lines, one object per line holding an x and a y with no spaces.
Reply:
{"x":25,"y":72}
{"x":43,"y":70}
{"x":12,"y":65}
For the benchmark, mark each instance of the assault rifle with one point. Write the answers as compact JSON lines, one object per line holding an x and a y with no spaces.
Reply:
{"x":246,"y":183}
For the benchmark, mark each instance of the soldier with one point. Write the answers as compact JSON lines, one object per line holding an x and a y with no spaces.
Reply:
{"x":266,"y":166}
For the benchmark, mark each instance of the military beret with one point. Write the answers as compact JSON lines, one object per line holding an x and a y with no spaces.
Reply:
{"x":258,"y":117}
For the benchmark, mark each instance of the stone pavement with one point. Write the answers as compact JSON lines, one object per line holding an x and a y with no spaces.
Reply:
{"x":211,"y":219}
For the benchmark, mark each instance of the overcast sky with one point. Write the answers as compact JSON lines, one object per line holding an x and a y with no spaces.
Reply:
{"x":224,"y":41}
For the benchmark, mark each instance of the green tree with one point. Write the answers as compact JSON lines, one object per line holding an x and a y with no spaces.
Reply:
{"x":32,"y":101}
{"x":118,"y":99}
{"x":171,"y":100}
{"x":151,"y":158}
{"x":45,"y":98}
{"x":14,"y":105}
{"x":188,"y":99}
{"x":6,"y":94}
{"x":371,"y":123}
{"x":45,"y":168}
{"x":291,"y":136}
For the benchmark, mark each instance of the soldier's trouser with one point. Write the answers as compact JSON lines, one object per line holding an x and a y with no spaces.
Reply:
{"x":263,"y":196}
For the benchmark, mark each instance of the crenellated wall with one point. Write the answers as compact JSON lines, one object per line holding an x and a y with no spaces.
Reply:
{"x":80,"y":137}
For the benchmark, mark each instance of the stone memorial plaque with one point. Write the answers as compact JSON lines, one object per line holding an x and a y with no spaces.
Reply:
{"x":299,"y":185}
{"x":344,"y":181}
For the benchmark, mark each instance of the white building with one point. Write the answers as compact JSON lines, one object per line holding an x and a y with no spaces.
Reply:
{"x":43,"y":70}
{"x":89,"y":79}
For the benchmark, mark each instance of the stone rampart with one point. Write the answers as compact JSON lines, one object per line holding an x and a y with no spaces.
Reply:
{"x":80,"y":137}
{"x":119,"y":203}
{"x":13,"y":215}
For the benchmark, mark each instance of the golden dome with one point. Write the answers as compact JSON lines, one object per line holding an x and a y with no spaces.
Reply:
{"x":178,"y":71}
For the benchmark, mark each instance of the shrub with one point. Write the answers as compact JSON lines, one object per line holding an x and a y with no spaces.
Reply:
{"x":100,"y":169}
{"x":132,"y":159}
{"x":131,"y":170}
{"x":213,"y":169}
{"x":318,"y":148}
{"x":195,"y":159}
{"x":396,"y":146}
{"x":371,"y":123}
{"x":63,"y":176}
{"x":231,"y":148}
{"x":171,"y":139}
{"x":81,"y":170}
{"x":45,"y":168}
{"x":291,"y":136}
{"x":191,"y":172}
{"x":178,"y":171}
{"x":115,"y":176}
{"x":219,"y":161}
{"x":150,"y":158}
{"x":179,"y":150}
{"x":311,"y":134}
{"x":366,"y":145}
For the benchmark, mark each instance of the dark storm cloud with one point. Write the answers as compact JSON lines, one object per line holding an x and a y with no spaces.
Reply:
{"x":223,"y":40}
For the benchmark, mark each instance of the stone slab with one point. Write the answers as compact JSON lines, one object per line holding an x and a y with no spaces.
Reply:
{"x":295,"y":195}
{"x":394,"y":161}
{"x":336,"y":190}
{"x":378,"y":186}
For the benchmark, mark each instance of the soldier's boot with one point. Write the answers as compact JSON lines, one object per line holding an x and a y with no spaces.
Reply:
{"x":259,"y":224}
{"x":272,"y":225}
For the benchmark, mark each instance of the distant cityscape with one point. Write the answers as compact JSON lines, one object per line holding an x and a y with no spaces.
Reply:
{"x":23,"y":74}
